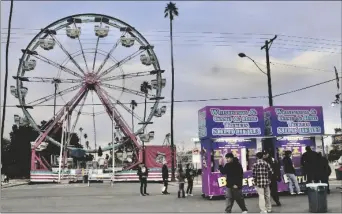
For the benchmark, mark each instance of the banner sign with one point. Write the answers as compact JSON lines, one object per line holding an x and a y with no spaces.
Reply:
{"x":294,"y":120}
{"x":230,"y":121}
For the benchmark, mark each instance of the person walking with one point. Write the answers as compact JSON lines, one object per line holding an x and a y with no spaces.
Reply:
{"x":309,"y":164}
{"x":181,"y":180}
{"x":165,"y":176}
{"x":189,"y":173}
{"x":275,"y":178}
{"x":143,"y":175}
{"x":290,"y":173}
{"x":234,"y":176}
{"x":262,"y":173}
{"x":324,"y":170}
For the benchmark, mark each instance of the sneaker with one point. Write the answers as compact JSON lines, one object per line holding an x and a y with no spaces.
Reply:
{"x":142,"y":195}
{"x":299,"y":193}
{"x":186,"y":194}
{"x":244,"y":212}
{"x":278,"y":203}
{"x":263,"y":212}
{"x":147,"y":194}
{"x":191,"y":194}
{"x":292,"y":193}
{"x":269,"y":211}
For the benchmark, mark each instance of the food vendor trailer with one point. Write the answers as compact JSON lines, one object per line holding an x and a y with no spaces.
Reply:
{"x":241,"y":130}
{"x":224,"y":129}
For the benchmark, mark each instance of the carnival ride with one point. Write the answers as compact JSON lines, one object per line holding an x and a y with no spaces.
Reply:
{"x":89,"y":71}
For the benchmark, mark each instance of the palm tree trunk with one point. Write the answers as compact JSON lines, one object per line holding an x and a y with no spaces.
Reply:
{"x":132,"y":119}
{"x":6,"y":73}
{"x":143,"y":142}
{"x":172,"y":105}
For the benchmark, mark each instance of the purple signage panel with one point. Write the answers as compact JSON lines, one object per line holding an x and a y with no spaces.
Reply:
{"x":294,"y":120}
{"x":230,"y":121}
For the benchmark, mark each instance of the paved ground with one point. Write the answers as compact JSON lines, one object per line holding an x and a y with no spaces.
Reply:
{"x":123,"y":198}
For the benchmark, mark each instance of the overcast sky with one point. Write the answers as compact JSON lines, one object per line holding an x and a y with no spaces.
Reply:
{"x":208,"y":37}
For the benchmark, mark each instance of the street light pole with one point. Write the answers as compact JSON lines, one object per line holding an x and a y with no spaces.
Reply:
{"x":267,"y":47}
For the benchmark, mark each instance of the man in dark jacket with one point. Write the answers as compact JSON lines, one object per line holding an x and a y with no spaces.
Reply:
{"x":234,"y":173}
{"x":143,"y":174}
{"x":165,"y":176}
{"x":309,"y":163}
{"x":324,"y":170}
{"x":276,"y":176}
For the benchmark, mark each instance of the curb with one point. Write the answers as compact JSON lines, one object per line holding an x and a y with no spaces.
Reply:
{"x":13,"y":185}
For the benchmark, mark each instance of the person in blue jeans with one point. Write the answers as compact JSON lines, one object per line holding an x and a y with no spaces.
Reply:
{"x":289,"y":171}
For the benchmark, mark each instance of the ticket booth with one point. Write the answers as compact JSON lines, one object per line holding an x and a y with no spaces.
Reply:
{"x":224,"y":129}
{"x":293,"y":128}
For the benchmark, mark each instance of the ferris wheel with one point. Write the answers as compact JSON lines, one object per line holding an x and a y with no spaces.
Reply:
{"x":88,"y":62}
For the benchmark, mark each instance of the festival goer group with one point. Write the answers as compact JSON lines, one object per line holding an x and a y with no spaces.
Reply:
{"x":266,"y":174}
{"x":182,"y":176}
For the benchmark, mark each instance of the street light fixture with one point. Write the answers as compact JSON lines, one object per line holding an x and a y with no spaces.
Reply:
{"x":243,"y":55}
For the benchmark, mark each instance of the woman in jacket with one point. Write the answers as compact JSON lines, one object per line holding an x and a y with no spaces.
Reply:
{"x":181,"y":180}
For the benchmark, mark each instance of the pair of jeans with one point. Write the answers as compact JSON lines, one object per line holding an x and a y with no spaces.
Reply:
{"x":143,"y":185}
{"x":165,"y":183}
{"x":274,"y":190}
{"x":190,"y":186}
{"x":293,"y":182}
{"x":181,"y":190}
{"x":264,"y":199}
{"x":234,"y":194}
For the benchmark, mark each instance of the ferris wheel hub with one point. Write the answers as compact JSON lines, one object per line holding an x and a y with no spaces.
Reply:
{"x":91,"y":79}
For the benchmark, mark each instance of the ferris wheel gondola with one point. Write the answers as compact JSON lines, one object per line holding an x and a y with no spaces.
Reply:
{"x":80,"y":76}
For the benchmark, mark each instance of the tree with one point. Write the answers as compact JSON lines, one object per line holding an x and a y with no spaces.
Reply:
{"x":145,"y":87}
{"x":81,"y":130}
{"x":171,"y":11}
{"x":133,"y":105}
{"x":99,"y":152}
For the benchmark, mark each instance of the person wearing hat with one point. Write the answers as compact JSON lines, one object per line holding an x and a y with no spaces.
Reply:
{"x":262,"y":173}
{"x":234,"y":176}
{"x":165,"y":176}
{"x":275,"y":178}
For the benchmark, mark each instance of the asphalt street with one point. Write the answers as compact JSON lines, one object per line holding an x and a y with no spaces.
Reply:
{"x":124,"y":198}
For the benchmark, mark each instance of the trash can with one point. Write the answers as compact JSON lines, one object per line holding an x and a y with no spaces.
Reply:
{"x":338,"y":173}
{"x":317,"y":193}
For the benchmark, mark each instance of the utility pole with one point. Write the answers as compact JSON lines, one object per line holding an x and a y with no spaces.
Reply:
{"x":340,"y":93}
{"x":267,"y":47}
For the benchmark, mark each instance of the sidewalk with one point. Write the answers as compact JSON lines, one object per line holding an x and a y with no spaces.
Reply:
{"x":14,"y":182}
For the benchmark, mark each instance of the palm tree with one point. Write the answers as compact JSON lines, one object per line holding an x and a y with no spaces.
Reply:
{"x":85,"y":138}
{"x":171,"y":11}
{"x":145,"y":87}
{"x":81,"y":130}
{"x":6,"y":72}
{"x":133,"y":105}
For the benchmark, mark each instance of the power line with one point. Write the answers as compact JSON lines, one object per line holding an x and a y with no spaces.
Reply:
{"x":304,"y":88}
{"x":297,"y":66}
{"x":204,"y":100}
{"x":223,"y":33}
{"x":176,"y":101}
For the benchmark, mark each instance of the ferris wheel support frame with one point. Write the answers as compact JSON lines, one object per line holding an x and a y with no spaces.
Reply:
{"x":62,"y":115}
